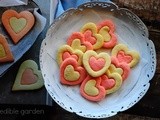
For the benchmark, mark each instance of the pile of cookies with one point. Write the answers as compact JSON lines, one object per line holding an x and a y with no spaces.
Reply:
{"x":94,"y":59}
{"x":17,"y":26}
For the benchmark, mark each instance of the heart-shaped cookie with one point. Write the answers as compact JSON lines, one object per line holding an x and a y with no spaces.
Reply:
{"x":119,"y":67}
{"x":5,"y":52}
{"x":90,"y":34}
{"x":110,"y":39}
{"x":17,"y":24}
{"x":71,"y":73}
{"x":77,"y":41}
{"x":107,"y":83}
{"x":107,"y":23}
{"x":66,"y":51}
{"x":106,"y":28}
{"x":123,"y":54}
{"x":96,"y":64}
{"x":111,"y":82}
{"x":91,"y":89}
{"x":28,"y":77}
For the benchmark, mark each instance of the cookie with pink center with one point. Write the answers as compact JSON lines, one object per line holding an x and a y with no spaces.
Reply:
{"x":106,"y":29}
{"x":123,"y":54}
{"x":66,"y":51}
{"x":28,"y":77}
{"x":91,"y":89}
{"x":111,"y":82}
{"x":96,"y":64}
{"x":77,"y":41}
{"x":71,"y":73}
{"x":119,"y":67}
{"x":91,"y":35}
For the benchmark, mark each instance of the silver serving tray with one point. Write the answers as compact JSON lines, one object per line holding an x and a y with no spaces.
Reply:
{"x":130,"y":30}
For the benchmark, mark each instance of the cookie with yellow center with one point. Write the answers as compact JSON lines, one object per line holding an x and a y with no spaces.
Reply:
{"x":5,"y":52}
{"x":71,"y":73}
{"x":106,"y":28}
{"x":91,"y":89}
{"x":17,"y":24}
{"x":77,"y":41}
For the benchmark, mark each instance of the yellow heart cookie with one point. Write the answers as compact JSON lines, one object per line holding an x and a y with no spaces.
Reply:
{"x":113,"y":69}
{"x":123,"y":54}
{"x":104,"y":31}
{"x":77,"y":54}
{"x":96,"y":64}
{"x":90,"y":33}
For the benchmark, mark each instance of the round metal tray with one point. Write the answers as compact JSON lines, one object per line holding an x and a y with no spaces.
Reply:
{"x":130,"y":30}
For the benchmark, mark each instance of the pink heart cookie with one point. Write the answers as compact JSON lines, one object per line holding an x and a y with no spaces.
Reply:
{"x":71,"y":73}
{"x":17,"y":24}
{"x":28,"y":77}
{"x":106,"y":29}
{"x":119,"y":67}
{"x":77,"y":41}
{"x":91,"y":89}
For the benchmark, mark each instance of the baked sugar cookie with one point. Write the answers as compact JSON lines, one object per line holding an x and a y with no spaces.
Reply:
{"x":111,"y":82}
{"x":121,"y":68}
{"x":5,"y":52}
{"x":77,"y":41}
{"x":123,"y":54}
{"x":28,"y":77}
{"x":91,"y":89}
{"x":71,"y":73}
{"x":96,"y":64}
{"x":91,"y":35}
{"x":106,"y":28}
{"x":66,"y":51}
{"x":17,"y":24}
